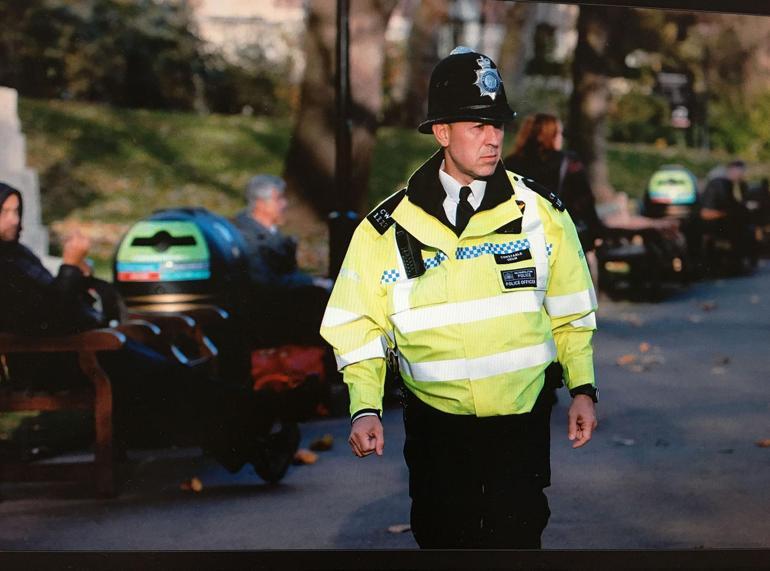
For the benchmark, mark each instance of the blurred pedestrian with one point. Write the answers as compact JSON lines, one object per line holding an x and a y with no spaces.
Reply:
{"x":287,"y":302}
{"x":724,"y":215}
{"x":538,"y":154}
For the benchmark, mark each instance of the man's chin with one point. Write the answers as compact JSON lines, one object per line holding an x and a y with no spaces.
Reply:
{"x":487,"y":170}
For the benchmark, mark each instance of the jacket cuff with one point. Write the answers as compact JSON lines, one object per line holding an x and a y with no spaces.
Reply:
{"x":365,"y":412}
{"x":588,"y":390}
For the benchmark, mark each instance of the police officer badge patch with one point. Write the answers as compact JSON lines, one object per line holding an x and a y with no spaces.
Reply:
{"x":487,"y":79}
{"x":524,"y":277}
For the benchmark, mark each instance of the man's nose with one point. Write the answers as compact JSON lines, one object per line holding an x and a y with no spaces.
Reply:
{"x":491,"y":135}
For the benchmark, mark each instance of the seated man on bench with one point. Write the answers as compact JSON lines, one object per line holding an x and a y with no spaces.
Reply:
{"x":231,"y":422}
{"x":287,"y":304}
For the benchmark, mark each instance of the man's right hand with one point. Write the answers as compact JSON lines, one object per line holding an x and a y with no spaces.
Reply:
{"x":366,"y":436}
{"x":75,"y":249}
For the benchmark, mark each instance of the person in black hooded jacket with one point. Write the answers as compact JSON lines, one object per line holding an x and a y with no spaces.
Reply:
{"x":538,"y":154}
{"x":231,"y":422}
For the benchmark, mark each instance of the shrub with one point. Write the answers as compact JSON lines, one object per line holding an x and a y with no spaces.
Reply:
{"x":640,"y":118}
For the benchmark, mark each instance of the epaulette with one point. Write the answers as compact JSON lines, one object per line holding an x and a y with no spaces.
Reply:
{"x":380,"y":216}
{"x":550,"y":196}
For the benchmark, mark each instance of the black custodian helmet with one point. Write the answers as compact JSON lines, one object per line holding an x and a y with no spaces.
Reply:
{"x":465,"y":86}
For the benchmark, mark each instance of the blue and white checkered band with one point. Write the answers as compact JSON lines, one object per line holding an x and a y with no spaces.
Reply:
{"x":392,"y":276}
{"x":469,"y":252}
{"x":389,"y":276}
{"x":548,"y":248}
{"x":487,"y":79}
{"x":435,"y":261}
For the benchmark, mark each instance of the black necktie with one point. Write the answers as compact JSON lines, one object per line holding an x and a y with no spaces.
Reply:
{"x":464,"y":210}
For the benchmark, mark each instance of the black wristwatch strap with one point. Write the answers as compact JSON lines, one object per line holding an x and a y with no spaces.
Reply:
{"x":589,"y":390}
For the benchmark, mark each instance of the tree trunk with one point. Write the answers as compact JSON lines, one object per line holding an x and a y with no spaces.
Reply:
{"x":309,"y":169}
{"x":519,"y":23}
{"x":590,"y":98}
{"x":369,"y":19}
{"x":309,"y":166}
{"x":422,"y":55}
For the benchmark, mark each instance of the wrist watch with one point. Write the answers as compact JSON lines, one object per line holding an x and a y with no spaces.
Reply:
{"x":588,"y":390}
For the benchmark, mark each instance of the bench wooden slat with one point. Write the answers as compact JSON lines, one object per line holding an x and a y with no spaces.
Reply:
{"x":17,"y":401}
{"x":95,"y":340}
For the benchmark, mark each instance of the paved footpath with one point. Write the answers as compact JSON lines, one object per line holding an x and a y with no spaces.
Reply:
{"x":674,"y":464}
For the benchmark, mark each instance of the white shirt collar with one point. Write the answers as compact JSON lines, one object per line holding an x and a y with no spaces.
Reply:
{"x":452,"y":188}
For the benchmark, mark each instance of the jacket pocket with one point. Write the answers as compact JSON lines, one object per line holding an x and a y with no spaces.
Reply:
{"x":428,"y":289}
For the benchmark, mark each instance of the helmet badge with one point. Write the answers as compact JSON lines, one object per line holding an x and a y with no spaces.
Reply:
{"x":487,"y":79}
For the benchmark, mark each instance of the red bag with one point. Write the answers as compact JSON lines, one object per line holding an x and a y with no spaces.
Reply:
{"x":285,"y":367}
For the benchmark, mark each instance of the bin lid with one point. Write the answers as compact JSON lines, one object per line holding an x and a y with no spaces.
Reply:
{"x":163,"y":251}
{"x":673,"y":185}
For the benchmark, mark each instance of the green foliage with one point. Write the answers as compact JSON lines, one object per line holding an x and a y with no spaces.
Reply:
{"x":397,"y":154}
{"x":253,"y":83}
{"x":640,"y":118}
{"x":538,"y":96}
{"x":741,"y":129}
{"x":138,"y":53}
{"x":632,"y":165}
{"x":759,"y":119}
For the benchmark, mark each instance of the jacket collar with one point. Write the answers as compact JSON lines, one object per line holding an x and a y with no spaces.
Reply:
{"x":245,"y":219}
{"x":424,"y":187}
{"x":424,"y":190}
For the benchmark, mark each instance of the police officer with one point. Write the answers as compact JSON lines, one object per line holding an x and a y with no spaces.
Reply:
{"x":476,"y":283}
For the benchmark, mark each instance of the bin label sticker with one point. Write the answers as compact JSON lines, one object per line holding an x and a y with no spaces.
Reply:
{"x":163,"y":251}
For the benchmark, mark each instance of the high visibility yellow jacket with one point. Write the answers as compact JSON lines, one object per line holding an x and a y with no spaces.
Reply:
{"x":493,"y":308}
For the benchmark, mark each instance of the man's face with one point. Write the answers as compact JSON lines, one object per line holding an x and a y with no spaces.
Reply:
{"x":272,"y":209}
{"x":10,"y":221}
{"x":471,"y":149}
{"x":736,"y":173}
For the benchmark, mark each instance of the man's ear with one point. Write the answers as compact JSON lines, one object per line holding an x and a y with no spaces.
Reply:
{"x":441,"y":133}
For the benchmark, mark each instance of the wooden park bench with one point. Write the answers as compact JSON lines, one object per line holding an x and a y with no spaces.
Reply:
{"x":97,"y":398}
{"x":164,"y":333}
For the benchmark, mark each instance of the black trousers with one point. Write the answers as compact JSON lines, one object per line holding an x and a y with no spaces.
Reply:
{"x":477,"y":483}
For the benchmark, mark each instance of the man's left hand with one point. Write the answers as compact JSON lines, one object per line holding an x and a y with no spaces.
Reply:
{"x":581,"y":420}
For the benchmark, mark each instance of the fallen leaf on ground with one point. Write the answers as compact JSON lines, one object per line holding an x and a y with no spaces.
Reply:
{"x":648,"y":360}
{"x":644,"y":347}
{"x":695,"y":318}
{"x":192,"y":485}
{"x":304,"y":456}
{"x":619,"y":440}
{"x":624,"y":360}
{"x":763,"y":443}
{"x":708,"y":305}
{"x":323,"y":443}
{"x":637,"y":368}
{"x":399,"y":528}
{"x":754,"y":299}
{"x":632,"y":318}
{"x":718,"y":371}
